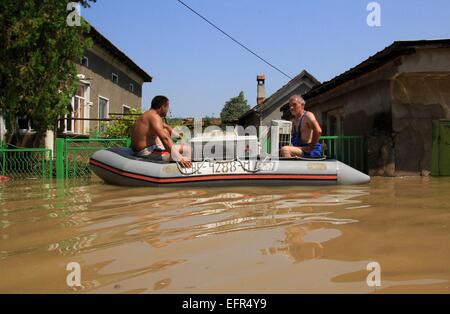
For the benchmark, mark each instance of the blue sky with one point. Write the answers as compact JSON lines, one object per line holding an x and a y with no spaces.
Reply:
{"x":199,"y":69}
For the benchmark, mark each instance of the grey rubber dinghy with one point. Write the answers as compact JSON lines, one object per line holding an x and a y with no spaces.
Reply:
{"x":119,"y":166}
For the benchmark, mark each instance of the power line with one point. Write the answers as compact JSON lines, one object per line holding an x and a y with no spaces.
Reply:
{"x":235,"y":40}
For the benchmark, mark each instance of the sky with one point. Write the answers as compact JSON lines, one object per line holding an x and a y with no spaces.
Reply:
{"x":199,"y":68}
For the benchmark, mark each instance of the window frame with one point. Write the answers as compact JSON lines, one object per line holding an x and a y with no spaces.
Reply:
{"x":112,"y":78}
{"x":87,"y":61}
{"x":126,"y":106}
{"x":98,"y":110}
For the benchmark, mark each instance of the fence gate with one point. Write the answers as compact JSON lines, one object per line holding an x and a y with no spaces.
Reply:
{"x":72,"y":155}
{"x":441,"y":148}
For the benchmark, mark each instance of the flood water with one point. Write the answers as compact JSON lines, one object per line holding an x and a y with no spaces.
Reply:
{"x":225,"y":240}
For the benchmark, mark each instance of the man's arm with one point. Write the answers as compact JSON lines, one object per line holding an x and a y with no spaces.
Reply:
{"x":171,"y":131}
{"x":158,"y":127}
{"x":317,"y":131}
{"x":168,"y":128}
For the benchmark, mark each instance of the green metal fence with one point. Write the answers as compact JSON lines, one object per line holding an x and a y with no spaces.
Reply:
{"x":351,"y":150}
{"x":72,"y":155}
{"x":24,"y":163}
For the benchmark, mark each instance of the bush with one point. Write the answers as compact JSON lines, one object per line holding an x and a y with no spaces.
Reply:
{"x":123,"y":127}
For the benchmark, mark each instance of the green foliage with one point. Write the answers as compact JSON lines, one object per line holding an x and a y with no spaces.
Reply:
{"x":173,"y":122}
{"x":123,"y":127}
{"x":207,"y":121}
{"x":234,"y":108}
{"x":38,"y":51}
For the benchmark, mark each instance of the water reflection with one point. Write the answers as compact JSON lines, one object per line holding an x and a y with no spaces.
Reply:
{"x":143,"y":239}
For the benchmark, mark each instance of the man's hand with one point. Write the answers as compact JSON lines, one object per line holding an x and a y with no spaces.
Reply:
{"x":307,"y":149}
{"x":185,"y":163}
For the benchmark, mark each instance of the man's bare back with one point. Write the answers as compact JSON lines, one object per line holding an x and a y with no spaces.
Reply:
{"x":143,"y":134}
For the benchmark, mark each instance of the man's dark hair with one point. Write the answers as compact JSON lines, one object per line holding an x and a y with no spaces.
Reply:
{"x":159,"y":101}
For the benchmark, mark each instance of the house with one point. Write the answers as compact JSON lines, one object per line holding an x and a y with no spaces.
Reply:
{"x":269,"y":109}
{"x":399,"y":99}
{"x":111,"y":83}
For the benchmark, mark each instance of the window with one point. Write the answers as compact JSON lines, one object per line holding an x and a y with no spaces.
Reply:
{"x":126,"y":109}
{"x":334,"y":122}
{"x":85,"y":61}
{"x":24,"y":124}
{"x":103,"y":112}
{"x":77,"y":112}
{"x":2,"y":129}
{"x":102,"y":108}
{"x":115,"y":78}
{"x":69,"y":121}
{"x":132,"y":87}
{"x":78,"y":109}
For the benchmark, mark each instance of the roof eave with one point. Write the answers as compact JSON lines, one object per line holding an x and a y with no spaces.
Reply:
{"x":103,"y":41}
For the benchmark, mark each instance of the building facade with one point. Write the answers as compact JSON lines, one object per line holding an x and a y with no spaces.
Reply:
{"x":393,"y":98}
{"x":111,"y":83}
{"x":271,"y":108}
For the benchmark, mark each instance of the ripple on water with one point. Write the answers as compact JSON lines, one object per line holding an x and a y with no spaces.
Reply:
{"x":60,"y":221}
{"x":72,"y":219}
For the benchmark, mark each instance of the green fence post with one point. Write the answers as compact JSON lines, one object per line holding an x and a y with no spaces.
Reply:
{"x":50,"y":170}
{"x":60,"y":158}
{"x":66,"y":158}
{"x":3,"y":161}
{"x":43,"y":172}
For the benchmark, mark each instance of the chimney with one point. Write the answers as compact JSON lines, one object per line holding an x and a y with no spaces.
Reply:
{"x":261,"y":91}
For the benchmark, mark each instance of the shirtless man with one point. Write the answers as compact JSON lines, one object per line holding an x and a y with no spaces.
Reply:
{"x":306,"y":132}
{"x":151,"y":137}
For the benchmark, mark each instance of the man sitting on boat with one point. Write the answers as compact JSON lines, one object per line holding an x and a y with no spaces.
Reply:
{"x":151,"y":137}
{"x":306,"y":132}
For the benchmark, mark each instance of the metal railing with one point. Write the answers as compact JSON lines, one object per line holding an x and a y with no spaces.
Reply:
{"x":72,"y":155}
{"x":25,"y":163}
{"x":351,"y":150}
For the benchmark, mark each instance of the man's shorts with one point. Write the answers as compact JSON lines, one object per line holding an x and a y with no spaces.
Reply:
{"x":315,"y":153}
{"x":154,"y":152}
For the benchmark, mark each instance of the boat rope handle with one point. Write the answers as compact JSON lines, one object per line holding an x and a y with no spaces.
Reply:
{"x":311,"y":159}
{"x":257,"y":165}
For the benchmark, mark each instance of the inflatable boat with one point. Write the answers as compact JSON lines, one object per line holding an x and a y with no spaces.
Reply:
{"x":119,"y":166}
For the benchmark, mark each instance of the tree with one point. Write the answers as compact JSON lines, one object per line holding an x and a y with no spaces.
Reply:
{"x":234,"y":108}
{"x":38,"y":51}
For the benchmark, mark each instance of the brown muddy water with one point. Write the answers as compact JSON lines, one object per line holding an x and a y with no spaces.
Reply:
{"x":225,"y":240}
